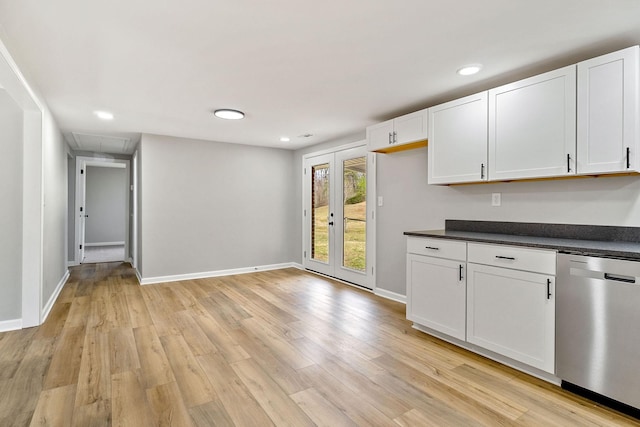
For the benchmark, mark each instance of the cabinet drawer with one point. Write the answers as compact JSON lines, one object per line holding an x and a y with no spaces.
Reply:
{"x":440,"y":248}
{"x":536,"y":260}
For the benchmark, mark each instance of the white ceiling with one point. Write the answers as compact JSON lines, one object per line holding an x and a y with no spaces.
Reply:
{"x":329,"y":68}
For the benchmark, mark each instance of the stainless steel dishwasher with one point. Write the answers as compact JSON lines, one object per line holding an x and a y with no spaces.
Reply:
{"x":598,"y":326}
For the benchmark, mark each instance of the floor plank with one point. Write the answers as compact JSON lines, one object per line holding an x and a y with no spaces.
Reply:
{"x":283,"y":347}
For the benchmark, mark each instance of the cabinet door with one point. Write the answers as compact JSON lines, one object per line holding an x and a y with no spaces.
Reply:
{"x":436,"y":294}
{"x":512,"y":313}
{"x":410,"y":127}
{"x":608,"y":113}
{"x":380,"y":136}
{"x":532,"y":127}
{"x":458,"y":140}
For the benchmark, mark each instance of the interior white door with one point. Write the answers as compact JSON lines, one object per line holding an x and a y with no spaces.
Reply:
{"x":81,"y":208}
{"x":338,"y":215}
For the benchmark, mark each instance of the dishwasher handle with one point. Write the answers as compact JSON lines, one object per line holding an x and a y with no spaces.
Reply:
{"x":620,"y":278}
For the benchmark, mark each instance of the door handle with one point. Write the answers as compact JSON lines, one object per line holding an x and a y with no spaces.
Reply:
{"x":331,"y":223}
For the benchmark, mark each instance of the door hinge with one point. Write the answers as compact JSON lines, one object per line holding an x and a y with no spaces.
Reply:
{"x":305,"y":212}
{"x":372,"y":271}
{"x":305,"y":171}
{"x":373,"y":214}
{"x":305,"y":254}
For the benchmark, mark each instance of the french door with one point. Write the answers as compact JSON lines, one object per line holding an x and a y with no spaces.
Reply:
{"x":339,"y":214}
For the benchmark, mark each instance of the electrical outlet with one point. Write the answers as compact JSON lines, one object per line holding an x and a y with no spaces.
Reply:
{"x":380,"y":201}
{"x":496,"y":199}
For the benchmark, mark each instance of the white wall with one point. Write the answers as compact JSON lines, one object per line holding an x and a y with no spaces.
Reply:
{"x":208,"y":206}
{"x":55,"y":187}
{"x":106,"y":204}
{"x":43,"y":189}
{"x":411,"y":204}
{"x":11,"y":124}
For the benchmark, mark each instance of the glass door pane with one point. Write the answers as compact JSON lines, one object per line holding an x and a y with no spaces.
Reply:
{"x":354,"y":201}
{"x":320,"y":194}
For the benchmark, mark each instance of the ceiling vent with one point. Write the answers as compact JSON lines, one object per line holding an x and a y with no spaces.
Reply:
{"x":102,"y":144}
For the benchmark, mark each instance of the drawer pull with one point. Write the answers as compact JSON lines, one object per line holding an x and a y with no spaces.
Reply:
{"x":548,"y":288}
{"x":505,"y":257}
{"x":432,"y":248}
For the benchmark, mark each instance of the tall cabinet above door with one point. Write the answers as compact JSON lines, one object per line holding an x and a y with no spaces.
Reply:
{"x":532,"y":127}
{"x":608,"y":113}
{"x":458,"y":141}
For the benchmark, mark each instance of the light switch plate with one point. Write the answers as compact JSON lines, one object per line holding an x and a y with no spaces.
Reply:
{"x":496,"y":199}
{"x":380,"y":201}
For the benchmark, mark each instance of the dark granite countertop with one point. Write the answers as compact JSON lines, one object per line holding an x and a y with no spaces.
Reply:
{"x":615,"y":242}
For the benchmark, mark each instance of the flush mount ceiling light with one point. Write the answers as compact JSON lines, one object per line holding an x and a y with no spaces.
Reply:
{"x":285,"y":139}
{"x":228,"y":114}
{"x":103,"y":115}
{"x":470,"y":69}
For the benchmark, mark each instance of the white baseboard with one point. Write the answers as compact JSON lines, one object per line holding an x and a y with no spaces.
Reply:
{"x":218,"y":273}
{"x":297,"y":265}
{"x":138,"y":276}
{"x":87,"y":245}
{"x":10,"y":325}
{"x":391,"y":295}
{"x":47,"y":308}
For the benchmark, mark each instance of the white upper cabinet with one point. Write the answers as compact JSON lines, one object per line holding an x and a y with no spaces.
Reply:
{"x":608,"y":113}
{"x":532,"y":127}
{"x":398,"y":134}
{"x":458,"y":141}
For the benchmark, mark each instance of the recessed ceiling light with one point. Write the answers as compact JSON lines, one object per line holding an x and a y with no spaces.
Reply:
{"x":285,"y":139}
{"x":470,"y":69}
{"x":104,"y":115}
{"x":228,"y":114}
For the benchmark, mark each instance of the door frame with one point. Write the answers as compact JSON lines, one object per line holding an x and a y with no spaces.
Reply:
{"x":81,"y":164}
{"x":371,"y":211}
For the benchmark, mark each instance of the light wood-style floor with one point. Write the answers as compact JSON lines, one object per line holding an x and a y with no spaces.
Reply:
{"x":271,"y":348}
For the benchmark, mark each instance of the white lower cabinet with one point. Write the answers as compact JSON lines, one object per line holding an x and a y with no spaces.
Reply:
{"x":512,"y":313}
{"x":496,"y":297}
{"x":436,"y":295}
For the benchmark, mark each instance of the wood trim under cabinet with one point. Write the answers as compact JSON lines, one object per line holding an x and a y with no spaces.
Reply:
{"x":403,"y":147}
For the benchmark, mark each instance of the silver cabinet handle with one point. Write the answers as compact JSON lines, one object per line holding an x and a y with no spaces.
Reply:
{"x":432,"y":248}
{"x":505,"y":257}
{"x":395,"y":137}
{"x":390,"y":140}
